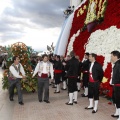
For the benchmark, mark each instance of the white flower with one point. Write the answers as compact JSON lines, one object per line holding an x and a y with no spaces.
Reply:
{"x":103,"y":42}
{"x":70,"y":45}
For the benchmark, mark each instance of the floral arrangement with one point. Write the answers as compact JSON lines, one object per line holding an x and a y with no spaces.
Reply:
{"x":24,"y":52}
{"x":103,"y":38}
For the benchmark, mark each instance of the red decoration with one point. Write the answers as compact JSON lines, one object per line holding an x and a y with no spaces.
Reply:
{"x":100,"y":59}
{"x":111,"y":18}
{"x":78,"y":22}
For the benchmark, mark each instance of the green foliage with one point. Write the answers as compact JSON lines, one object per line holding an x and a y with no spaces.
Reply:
{"x":5,"y":84}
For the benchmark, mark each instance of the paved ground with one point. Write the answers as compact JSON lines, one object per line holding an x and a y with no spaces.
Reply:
{"x":56,"y":110}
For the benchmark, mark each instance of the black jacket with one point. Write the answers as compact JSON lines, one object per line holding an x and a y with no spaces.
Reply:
{"x":116,"y":73}
{"x":80,"y":68}
{"x":58,"y":65}
{"x":97,"y":72}
{"x":85,"y":65}
{"x":73,"y":67}
{"x":52,"y":61}
{"x":63,"y":67}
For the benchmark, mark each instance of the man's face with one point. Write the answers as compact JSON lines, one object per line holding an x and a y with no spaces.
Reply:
{"x":17,"y":61}
{"x":52,"y":57}
{"x":77,"y":57}
{"x":61,"y":57}
{"x":68,"y":57}
{"x":91,"y":58}
{"x":86,"y":57}
{"x":113,"y":58}
{"x":45,"y":59}
{"x":56,"y":58}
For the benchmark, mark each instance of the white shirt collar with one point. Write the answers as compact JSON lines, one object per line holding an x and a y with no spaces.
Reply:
{"x":92,"y":63}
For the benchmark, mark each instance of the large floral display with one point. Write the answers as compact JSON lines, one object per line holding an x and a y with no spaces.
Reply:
{"x":24,"y":52}
{"x":96,"y":29}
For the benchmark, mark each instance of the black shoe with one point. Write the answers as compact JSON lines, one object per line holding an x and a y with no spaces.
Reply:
{"x":75,"y":102}
{"x":40,"y":100}
{"x":54,"y":87}
{"x":88,"y":108}
{"x":115,"y":116}
{"x":21,"y":103}
{"x":63,"y":89}
{"x":94,"y":111}
{"x":57,"y":92}
{"x":69,"y":103}
{"x":47,"y":101}
{"x":83,"y":95}
{"x":78,"y":90}
{"x":52,"y":83}
{"x":11,"y":99}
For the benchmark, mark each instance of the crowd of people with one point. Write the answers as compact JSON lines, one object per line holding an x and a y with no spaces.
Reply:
{"x":73,"y":73}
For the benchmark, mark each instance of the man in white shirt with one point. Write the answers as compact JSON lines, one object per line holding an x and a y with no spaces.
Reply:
{"x":44,"y":70}
{"x":14,"y":79}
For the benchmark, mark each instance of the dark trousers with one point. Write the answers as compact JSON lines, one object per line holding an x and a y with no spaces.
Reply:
{"x":93,"y":90}
{"x":57,"y":78}
{"x":64,"y":78}
{"x":85,"y":79}
{"x":12,"y":84}
{"x":116,"y":96}
{"x":72,"y":85}
{"x":43,"y":87}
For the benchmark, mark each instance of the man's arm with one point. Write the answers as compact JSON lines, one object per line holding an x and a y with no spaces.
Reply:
{"x":36,"y":69}
{"x":101,"y":73}
{"x":22,"y":70}
{"x":51,"y":70}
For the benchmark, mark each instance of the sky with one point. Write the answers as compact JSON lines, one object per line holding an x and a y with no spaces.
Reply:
{"x":36,"y":23}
